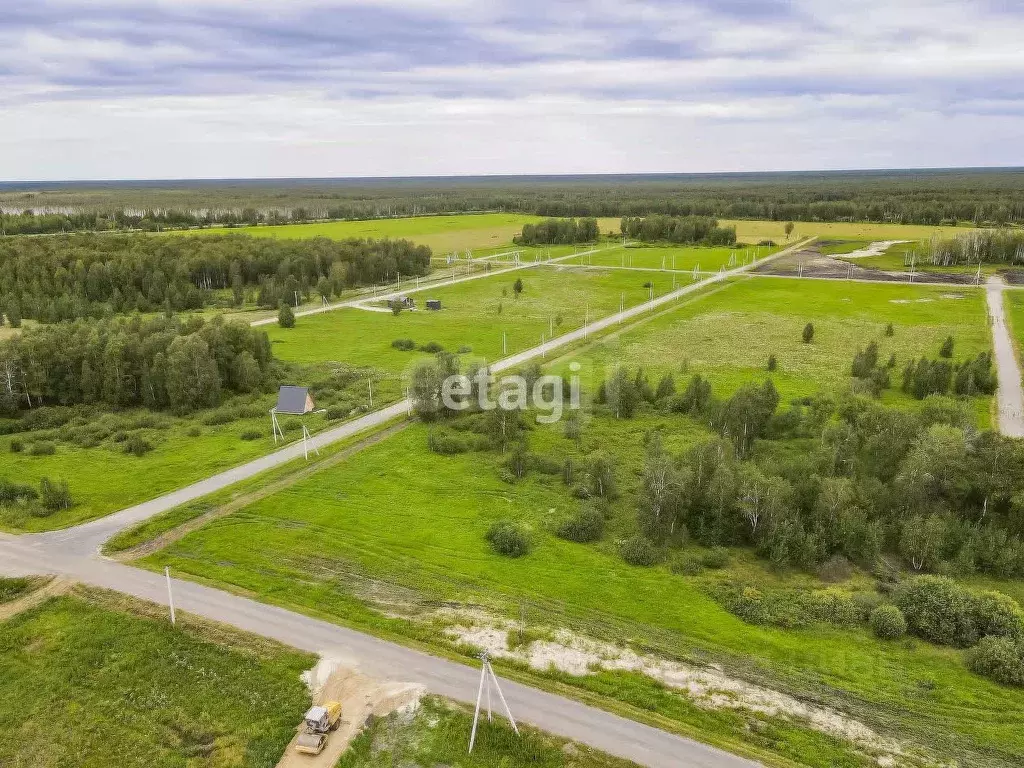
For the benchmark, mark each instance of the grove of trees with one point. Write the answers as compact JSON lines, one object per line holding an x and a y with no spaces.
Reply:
{"x":558,"y":231}
{"x":696,"y":230}
{"x":69,"y":277}
{"x":159,"y":363}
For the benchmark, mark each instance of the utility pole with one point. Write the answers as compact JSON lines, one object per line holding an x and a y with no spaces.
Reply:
{"x":369,"y":383}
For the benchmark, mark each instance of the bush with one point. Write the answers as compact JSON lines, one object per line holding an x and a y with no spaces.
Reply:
{"x":947,"y":348}
{"x":773,"y":363}
{"x":836,"y":568}
{"x":509,"y":539}
{"x":887,"y":622}
{"x":717,"y":557}
{"x":998,"y":658}
{"x":336,"y":412}
{"x":465,"y":349}
{"x":997,"y":615}
{"x":585,"y":526}
{"x":939,"y":610}
{"x":194,"y":432}
{"x":833,"y":606}
{"x":432,"y":347}
{"x":445,"y":443}
{"x":808,"y":334}
{"x":686,"y":565}
{"x":42,"y":449}
{"x":749,"y":606}
{"x":17,"y":446}
{"x":136,"y":445}
{"x":285,"y":316}
{"x":405,"y":345}
{"x":251,"y":434}
{"x":639,"y":550}
{"x":55,"y":496}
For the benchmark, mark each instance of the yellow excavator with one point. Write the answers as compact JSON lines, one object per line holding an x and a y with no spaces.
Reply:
{"x":318,"y":722}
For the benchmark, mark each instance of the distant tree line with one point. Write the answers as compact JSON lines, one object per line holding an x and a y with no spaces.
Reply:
{"x":558,"y":231}
{"x":980,"y":197}
{"x":986,"y":247}
{"x":700,"y":230}
{"x":68,"y":277}
{"x":159,"y":363}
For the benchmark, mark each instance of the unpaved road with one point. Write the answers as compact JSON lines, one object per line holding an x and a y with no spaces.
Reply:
{"x":1009,"y":395}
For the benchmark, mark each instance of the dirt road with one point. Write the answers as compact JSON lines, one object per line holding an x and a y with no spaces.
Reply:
{"x":1010,"y":395}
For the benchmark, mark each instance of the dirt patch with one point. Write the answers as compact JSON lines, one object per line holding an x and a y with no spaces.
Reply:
{"x":812,"y":263}
{"x":53,"y":588}
{"x":362,"y":699}
{"x":708,"y":687}
{"x":167,"y":538}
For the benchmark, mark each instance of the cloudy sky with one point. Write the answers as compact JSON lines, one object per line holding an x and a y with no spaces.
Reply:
{"x":276,"y":88}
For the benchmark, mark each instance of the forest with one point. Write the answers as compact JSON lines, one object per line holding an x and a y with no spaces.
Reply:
{"x":74,"y":276}
{"x":974,"y":196}
{"x":989,"y":247}
{"x":161,"y":363}
{"x":559,"y":232}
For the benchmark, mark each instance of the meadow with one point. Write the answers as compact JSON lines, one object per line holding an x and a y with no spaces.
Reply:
{"x":751,"y":231}
{"x":373,"y":536}
{"x":437,"y":734}
{"x":442,"y":233}
{"x":90,"y":449}
{"x":474,"y":316}
{"x":94,"y":679}
{"x":684,"y":259}
{"x":899,"y":257}
{"x":727,"y":334}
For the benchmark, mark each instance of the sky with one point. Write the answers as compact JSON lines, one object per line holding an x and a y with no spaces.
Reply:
{"x":133,"y":89}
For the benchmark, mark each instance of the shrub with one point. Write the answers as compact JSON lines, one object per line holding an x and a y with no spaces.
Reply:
{"x":11,"y":493}
{"x":251,"y":434}
{"x":717,"y":557}
{"x":998,"y":658}
{"x":887,"y":622}
{"x":445,"y":443}
{"x":136,"y":445}
{"x":997,"y":615}
{"x":336,"y":412}
{"x":55,"y":496}
{"x":938,"y":609}
{"x":686,"y":565}
{"x":639,"y":550}
{"x":42,"y":449}
{"x":889,"y":330}
{"x":509,"y":539}
{"x":465,"y":349}
{"x":17,"y":446}
{"x":405,"y":345}
{"x":808,"y":334}
{"x":432,"y":347}
{"x":833,"y":606}
{"x":773,"y":363}
{"x":218,"y":417}
{"x":749,"y":606}
{"x":947,"y":348}
{"x":285,"y":316}
{"x":836,"y":568}
{"x":194,"y":432}
{"x":585,"y":526}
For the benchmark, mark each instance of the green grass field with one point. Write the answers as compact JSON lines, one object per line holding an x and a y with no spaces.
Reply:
{"x":379,"y":516}
{"x":474,"y":314}
{"x":727,"y":334}
{"x":437,"y":735}
{"x":441,"y":233}
{"x":681,"y":258}
{"x":92,"y":683}
{"x":104,"y":478}
{"x":900,"y":257}
{"x":751,"y":231}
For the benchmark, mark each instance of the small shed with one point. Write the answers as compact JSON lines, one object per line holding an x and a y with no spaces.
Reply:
{"x":434,"y":304}
{"x":294,"y":400}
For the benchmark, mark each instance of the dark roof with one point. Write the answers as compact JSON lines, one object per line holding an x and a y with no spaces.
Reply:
{"x":293,"y":400}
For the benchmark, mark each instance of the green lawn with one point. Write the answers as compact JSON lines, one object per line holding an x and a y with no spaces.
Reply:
{"x":441,"y":233}
{"x":678,"y":258}
{"x":474,"y":314}
{"x":85,"y":683}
